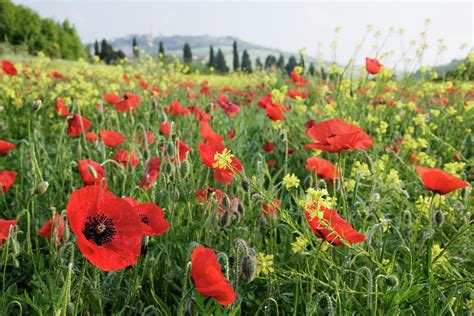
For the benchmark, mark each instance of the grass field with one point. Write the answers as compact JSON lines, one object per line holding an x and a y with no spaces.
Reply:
{"x":398,"y":246}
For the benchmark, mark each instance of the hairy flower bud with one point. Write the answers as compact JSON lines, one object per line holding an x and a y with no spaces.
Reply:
{"x":248,"y":267}
{"x":41,"y":188}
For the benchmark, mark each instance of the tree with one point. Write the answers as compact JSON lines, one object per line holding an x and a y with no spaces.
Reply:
{"x":161,"y":50}
{"x":212,"y":59}
{"x":246,"y":63}
{"x":281,"y":62}
{"x":312,"y":69}
{"x":236,"y":57}
{"x":291,"y":64}
{"x":270,"y":61}
{"x":187,"y":54}
{"x":302,"y":63}
{"x":96,"y":48}
{"x":136,"y":53}
{"x":220,"y":62}
{"x":258,"y":64}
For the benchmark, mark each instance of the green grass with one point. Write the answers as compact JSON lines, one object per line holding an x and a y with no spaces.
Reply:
{"x":395,"y":271}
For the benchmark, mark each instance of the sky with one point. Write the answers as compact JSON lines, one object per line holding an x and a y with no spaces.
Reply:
{"x":288,"y":26}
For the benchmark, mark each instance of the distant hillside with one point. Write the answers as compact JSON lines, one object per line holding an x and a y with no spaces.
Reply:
{"x":199,"y":46}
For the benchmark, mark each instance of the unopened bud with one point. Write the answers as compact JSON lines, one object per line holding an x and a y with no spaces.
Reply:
{"x":439,"y":218}
{"x":248,"y":266}
{"x":188,"y":308}
{"x":256,"y":197}
{"x":308,"y":182}
{"x":37,"y":104}
{"x":170,"y":150}
{"x":391,"y":280}
{"x":41,"y":188}
{"x":209,"y":107}
{"x":225,"y":219}
{"x":245,"y":185}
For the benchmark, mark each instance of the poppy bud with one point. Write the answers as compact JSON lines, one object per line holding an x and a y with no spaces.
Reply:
{"x":163,"y":117}
{"x":391,"y":280}
{"x":248,"y":266}
{"x":256,"y":197}
{"x":170,"y":150}
{"x":188,"y":308}
{"x":185,"y":168}
{"x":308,"y":182}
{"x":245,"y":185}
{"x":209,"y":107}
{"x":16,"y":249}
{"x":225,"y":219}
{"x":439,"y":218}
{"x":226,"y":202}
{"x":37,"y":104}
{"x":283,"y":136}
{"x":191,"y":247}
{"x":41,"y":188}
{"x":92,"y":171}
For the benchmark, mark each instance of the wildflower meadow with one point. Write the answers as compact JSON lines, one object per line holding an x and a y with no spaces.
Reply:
{"x":148,"y":188}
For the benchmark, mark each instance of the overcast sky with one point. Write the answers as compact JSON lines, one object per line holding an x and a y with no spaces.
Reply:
{"x":284,"y":25}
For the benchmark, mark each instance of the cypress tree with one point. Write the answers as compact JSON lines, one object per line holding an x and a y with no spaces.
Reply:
{"x":212,"y":59}
{"x":291,"y":64}
{"x":187,"y":54}
{"x":270,"y":61}
{"x":258,"y":64}
{"x":281,"y":62}
{"x":161,"y":50}
{"x":136,"y":52}
{"x":220,"y":62}
{"x":246,"y":63}
{"x":312,"y":69}
{"x":96,"y":48}
{"x":236,"y":57}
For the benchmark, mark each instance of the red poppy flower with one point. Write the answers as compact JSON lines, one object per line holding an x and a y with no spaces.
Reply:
{"x":55,"y":224}
{"x":7,"y":179}
{"x":229,"y":108}
{"x":271,"y":208}
{"x":372,"y":65}
{"x":57,"y":75}
{"x":108,"y":230}
{"x":322,"y":168}
{"x":438,"y":181}
{"x":274,"y":111}
{"x":9,"y":68}
{"x":208,"y":134}
{"x":176,"y":109}
{"x":150,"y":137}
{"x":151,"y":172}
{"x":332,"y":227}
{"x":152,"y":218}
{"x":203,"y":194}
{"x":207,"y":276}
{"x":78,"y":125}
{"x":122,"y":157}
{"x":111,"y":98}
{"x":92,"y":137}
{"x":268,"y":147}
{"x":111,"y":138}
{"x":5,"y":147}
{"x":165,"y":128}
{"x":92,"y":173}
{"x":127,"y":102}
{"x":182,"y":150}
{"x":5,"y":229}
{"x":231,"y":133}
{"x":61,"y":108}
{"x":336,"y":135}
{"x":208,"y":151}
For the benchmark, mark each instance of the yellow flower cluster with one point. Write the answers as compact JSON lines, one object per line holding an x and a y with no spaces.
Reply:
{"x":265,"y":264}
{"x":291,"y":181}
{"x":299,"y":244}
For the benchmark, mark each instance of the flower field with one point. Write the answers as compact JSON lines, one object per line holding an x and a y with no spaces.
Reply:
{"x":142,"y":189}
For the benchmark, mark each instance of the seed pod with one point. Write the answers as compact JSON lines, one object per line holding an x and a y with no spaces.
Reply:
{"x":41,"y":188}
{"x":391,"y":280}
{"x":248,"y":266}
{"x":308,"y":182}
{"x":170,"y":150}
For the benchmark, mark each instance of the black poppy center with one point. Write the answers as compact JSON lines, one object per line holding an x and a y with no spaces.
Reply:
{"x":144,"y":219}
{"x":99,"y":229}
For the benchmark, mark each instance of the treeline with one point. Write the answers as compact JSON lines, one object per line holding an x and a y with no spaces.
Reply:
{"x":23,"y":27}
